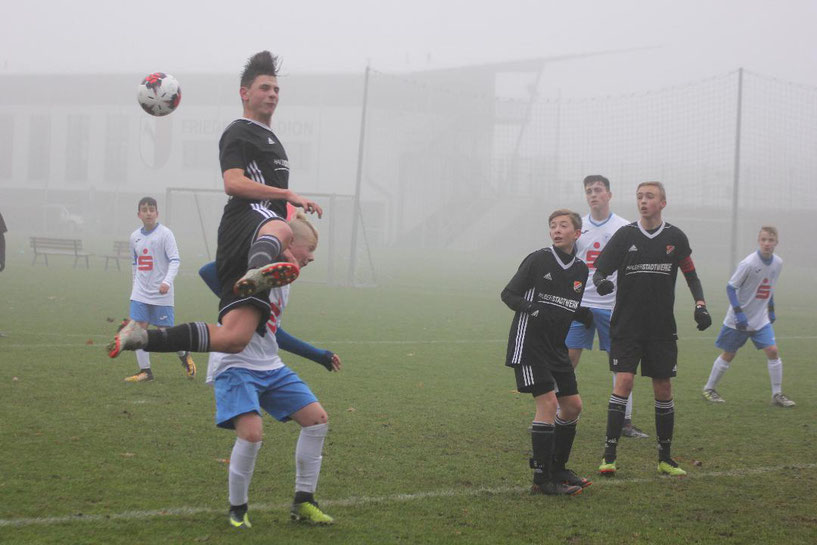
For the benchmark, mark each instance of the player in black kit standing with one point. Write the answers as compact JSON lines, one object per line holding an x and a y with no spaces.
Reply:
{"x":253,"y":235}
{"x":546,"y":293}
{"x":647,"y":255}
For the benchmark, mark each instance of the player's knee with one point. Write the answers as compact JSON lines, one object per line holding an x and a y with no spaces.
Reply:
{"x":571,"y":410}
{"x":772,"y":353}
{"x":231,"y":341}
{"x":280,"y":230}
{"x":319,"y":418}
{"x":253,"y":436}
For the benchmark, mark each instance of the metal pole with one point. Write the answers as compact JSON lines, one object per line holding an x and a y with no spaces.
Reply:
{"x":736,"y":176}
{"x":356,"y":205}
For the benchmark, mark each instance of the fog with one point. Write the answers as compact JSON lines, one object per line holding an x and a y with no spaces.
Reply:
{"x":479,"y":120}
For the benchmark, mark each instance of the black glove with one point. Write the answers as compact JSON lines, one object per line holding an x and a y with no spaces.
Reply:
{"x":702,"y":317}
{"x":536,"y":310}
{"x":326,"y":360}
{"x":605,"y":287}
{"x":584,"y":316}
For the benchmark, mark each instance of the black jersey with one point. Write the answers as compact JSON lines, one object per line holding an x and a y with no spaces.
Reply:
{"x":555,"y":286}
{"x":253,"y":147}
{"x":647,"y":265}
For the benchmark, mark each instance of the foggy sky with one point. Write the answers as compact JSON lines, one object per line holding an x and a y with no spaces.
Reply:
{"x":674,"y":41}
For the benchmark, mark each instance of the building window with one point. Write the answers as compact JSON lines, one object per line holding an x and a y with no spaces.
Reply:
{"x":39,"y":148}
{"x":6,"y":146}
{"x":77,"y":145}
{"x":116,"y":149}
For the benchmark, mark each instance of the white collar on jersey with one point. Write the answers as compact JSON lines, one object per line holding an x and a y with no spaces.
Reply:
{"x":590,"y":219}
{"x":647,"y":233}
{"x":257,"y":123}
{"x":559,"y":261}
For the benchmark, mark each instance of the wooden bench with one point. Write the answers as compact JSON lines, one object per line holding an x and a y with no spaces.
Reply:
{"x":43,"y":246}
{"x":121,"y":250}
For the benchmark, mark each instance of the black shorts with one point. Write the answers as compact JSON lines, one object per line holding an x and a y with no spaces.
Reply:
{"x":538,"y":380}
{"x":238,"y":230}
{"x":658,"y":357}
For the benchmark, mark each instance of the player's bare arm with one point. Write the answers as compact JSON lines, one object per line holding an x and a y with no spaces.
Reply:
{"x":236,"y":184}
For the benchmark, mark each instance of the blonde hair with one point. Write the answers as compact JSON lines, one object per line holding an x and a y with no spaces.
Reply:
{"x":302,"y":227}
{"x":574,"y":217}
{"x":659,"y":185}
{"x":771,"y":230}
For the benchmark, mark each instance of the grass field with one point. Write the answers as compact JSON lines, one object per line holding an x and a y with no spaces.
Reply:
{"x":428,"y":440}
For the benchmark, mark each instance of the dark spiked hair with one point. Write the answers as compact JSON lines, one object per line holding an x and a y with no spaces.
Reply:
{"x":262,"y":63}
{"x":593,"y":178}
{"x":150,"y":201}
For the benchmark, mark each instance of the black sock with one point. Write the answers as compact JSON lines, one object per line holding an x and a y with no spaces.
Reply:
{"x":301,"y":497}
{"x":664,"y":424}
{"x":615,"y":421}
{"x":192,"y":337}
{"x":263,"y":251}
{"x":542,"y":440}
{"x":239,"y":510}
{"x":563,"y":437}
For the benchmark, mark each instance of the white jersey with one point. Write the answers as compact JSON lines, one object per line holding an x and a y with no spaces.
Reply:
{"x":593,"y":240}
{"x":261,"y":354}
{"x":754,"y":281}
{"x":155,"y":261}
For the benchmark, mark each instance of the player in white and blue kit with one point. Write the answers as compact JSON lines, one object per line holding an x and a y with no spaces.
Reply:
{"x":256,"y":378}
{"x":751,"y":315}
{"x":597,"y":228}
{"x":154,"y":267}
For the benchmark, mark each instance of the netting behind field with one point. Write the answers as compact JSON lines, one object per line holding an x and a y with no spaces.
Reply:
{"x":194,"y":216}
{"x":459,"y":167}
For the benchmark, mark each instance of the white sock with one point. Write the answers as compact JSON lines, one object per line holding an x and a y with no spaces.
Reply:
{"x":308,"y":457}
{"x":143,"y":359}
{"x":776,"y":375}
{"x":719,"y":368}
{"x":181,"y":353}
{"x":242,"y":464}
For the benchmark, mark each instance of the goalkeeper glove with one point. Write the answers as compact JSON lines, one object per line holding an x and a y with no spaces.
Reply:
{"x":741,"y":323}
{"x":702,"y":317}
{"x":584,"y":316}
{"x":605,"y":287}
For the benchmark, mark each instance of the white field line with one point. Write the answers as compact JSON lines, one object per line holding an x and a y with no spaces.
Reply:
{"x":101,"y":340}
{"x":365,"y":500}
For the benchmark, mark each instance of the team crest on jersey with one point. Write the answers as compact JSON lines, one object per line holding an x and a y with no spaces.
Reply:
{"x":577,"y":286}
{"x":670,"y":249}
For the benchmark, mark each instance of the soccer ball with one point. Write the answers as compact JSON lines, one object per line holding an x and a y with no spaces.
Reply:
{"x":159,"y":94}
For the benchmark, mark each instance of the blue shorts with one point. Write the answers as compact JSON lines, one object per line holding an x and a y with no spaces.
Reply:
{"x":280,"y":392}
{"x":730,"y":340}
{"x":152,"y":314}
{"x":581,"y":337}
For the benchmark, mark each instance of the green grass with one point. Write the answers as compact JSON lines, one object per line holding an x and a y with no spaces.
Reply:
{"x":428,"y":440}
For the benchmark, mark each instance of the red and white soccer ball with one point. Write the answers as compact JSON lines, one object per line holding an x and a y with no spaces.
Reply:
{"x":159,"y":94}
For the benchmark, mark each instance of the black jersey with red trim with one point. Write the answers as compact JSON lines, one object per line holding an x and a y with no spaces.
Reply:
{"x":253,"y":147}
{"x":552,"y":282}
{"x":647,"y":265}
